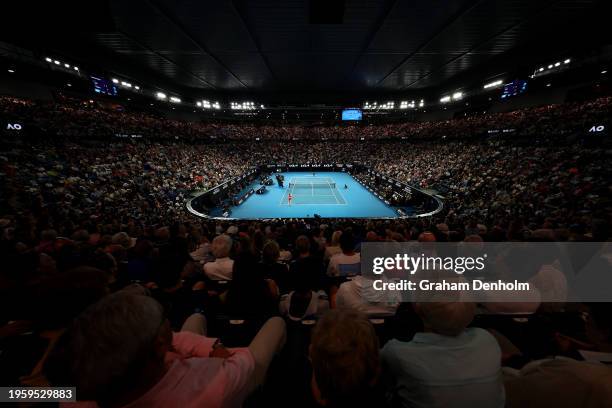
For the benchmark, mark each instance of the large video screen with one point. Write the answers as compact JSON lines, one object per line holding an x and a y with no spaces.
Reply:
{"x":351,"y":114}
{"x":103,"y":86}
{"x":514,"y":88}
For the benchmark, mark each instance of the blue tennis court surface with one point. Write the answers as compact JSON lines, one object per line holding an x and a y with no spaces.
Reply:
{"x":322,"y":194}
{"x":312,"y":190}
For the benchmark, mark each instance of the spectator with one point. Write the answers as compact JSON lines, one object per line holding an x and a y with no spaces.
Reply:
{"x":118,"y":346}
{"x":222,"y":267}
{"x":249,"y":294}
{"x":303,"y":302}
{"x":447,"y":365}
{"x":348,"y":259}
{"x":272,"y":268}
{"x":306,"y":261}
{"x":334,"y":247}
{"x":345,"y":361}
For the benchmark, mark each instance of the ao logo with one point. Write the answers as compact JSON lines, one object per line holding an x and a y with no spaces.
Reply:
{"x":13,"y":126}
{"x":599,"y":128}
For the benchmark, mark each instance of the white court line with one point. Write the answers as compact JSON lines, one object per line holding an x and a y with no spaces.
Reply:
{"x":285,"y":194}
{"x":334,"y":193}
{"x":330,"y":188}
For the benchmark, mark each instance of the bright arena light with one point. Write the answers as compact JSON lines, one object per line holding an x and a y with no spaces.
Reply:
{"x":115,"y":80}
{"x":493,"y":84}
{"x":56,"y":62}
{"x":567,"y":61}
{"x":174,"y":99}
{"x":457,"y":96}
{"x":160,"y":95}
{"x":206,"y":104}
{"x":48,"y":59}
{"x":445,"y":99}
{"x":242,"y":105}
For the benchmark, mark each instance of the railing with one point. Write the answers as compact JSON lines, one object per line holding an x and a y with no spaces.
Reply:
{"x":194,"y":205}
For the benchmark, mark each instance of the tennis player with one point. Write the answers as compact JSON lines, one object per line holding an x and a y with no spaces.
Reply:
{"x":289,"y":198}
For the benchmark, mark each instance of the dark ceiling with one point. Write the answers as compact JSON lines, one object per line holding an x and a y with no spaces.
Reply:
{"x":264,"y":46}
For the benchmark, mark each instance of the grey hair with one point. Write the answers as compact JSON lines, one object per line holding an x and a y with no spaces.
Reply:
{"x":335,"y":240}
{"x":226,"y":248}
{"x":121,"y":238}
{"x":110,"y":342}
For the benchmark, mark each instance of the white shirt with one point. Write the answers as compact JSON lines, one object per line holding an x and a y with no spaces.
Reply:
{"x":358,"y":294}
{"x":220,"y":269}
{"x":341,"y":259}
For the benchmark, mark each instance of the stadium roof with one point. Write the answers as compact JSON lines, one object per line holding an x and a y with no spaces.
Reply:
{"x":324,"y":46}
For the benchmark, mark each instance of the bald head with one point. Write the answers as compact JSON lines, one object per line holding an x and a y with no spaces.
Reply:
{"x":446,"y":318}
{"x":221,"y":246}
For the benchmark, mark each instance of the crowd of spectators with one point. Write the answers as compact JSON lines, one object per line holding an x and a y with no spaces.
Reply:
{"x":109,"y":284}
{"x":73,"y":118}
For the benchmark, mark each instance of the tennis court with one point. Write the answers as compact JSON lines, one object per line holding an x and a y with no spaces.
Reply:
{"x":322,"y":194}
{"x":312,"y":190}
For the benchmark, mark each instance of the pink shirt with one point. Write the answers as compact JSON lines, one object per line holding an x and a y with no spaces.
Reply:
{"x":187,"y":344}
{"x":202,"y":382}
{"x":195,"y":380}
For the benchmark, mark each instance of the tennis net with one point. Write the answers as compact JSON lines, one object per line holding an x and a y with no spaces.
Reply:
{"x":311,"y":184}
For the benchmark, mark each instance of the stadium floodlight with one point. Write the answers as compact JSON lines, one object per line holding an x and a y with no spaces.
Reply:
{"x":445,"y":99}
{"x":457,"y":96}
{"x":493,"y":84}
{"x":76,"y":68}
{"x":557,"y":64}
{"x":604,"y":72}
{"x":115,"y":80}
{"x":198,"y":103}
{"x":216,"y":105}
{"x":137,"y":88}
{"x":541,"y":69}
{"x":48,"y":59}
{"x":56,"y":62}
{"x":160,"y":95}
{"x":67,"y":65}
{"x":421,"y":103}
{"x":550,"y":66}
{"x":174,"y":99}
{"x":567,"y":61}
{"x":11,"y":71}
